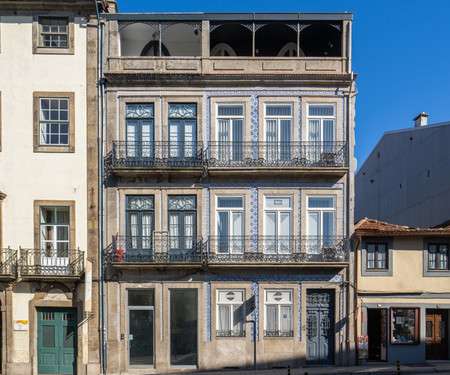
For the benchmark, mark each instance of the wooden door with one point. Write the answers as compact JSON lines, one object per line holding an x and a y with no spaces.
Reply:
{"x":320,"y":327}
{"x":436,"y":328}
{"x":57,"y":341}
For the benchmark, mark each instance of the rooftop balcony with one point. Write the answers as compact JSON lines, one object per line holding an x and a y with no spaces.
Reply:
{"x":157,"y":250}
{"x":224,"y":251}
{"x":8,"y":264}
{"x":54,"y":264}
{"x":230,"y":43}
{"x":143,"y":157}
{"x":285,"y":157}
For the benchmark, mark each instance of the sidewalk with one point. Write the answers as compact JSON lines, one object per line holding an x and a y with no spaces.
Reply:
{"x":385,"y":369}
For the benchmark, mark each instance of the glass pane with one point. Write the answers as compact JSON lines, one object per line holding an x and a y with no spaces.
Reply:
{"x":278,"y":110}
{"x":328,"y":133}
{"x":328,"y":221}
{"x":48,"y":336}
{"x":183,"y":327}
{"x":313,"y":223}
{"x":314,"y":130}
{"x":321,"y":110}
{"x":237,"y":223}
{"x":320,"y":202}
{"x":271,"y":223}
{"x":285,"y":319}
{"x":141,"y":337}
{"x":230,"y":202}
{"x":230,"y":110}
{"x":224,"y":319}
{"x":69,"y":336}
{"x":278,"y":202}
{"x":403,"y":325}
{"x":238,"y":319}
{"x":223,"y":231}
{"x":272,"y":320}
{"x":141,"y":298}
{"x":62,"y":233}
{"x":278,"y":296}
{"x":47,"y":215}
{"x":182,"y":110}
{"x":139,"y":111}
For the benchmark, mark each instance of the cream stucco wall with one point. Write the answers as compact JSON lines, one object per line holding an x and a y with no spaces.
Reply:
{"x":26,"y":175}
{"x":407,"y":274}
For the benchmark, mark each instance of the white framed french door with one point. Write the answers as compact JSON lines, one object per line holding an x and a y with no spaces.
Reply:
{"x":321,"y":128}
{"x":230,"y":224}
{"x":278,"y":131}
{"x":277,"y":225}
{"x":230,"y":131}
{"x":321,"y":217}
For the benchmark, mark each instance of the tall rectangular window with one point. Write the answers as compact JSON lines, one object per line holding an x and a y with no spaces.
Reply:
{"x":182,"y":130}
{"x":438,"y":256}
{"x":182,"y":211}
{"x":278,"y":131}
{"x":141,"y":327}
{"x":54,"y":228}
{"x":54,"y":32}
{"x":139,"y":130}
{"x":230,"y":313}
{"x":230,"y":131}
{"x":277,"y":225}
{"x":278,"y":313}
{"x":54,"y":121}
{"x":321,"y":130}
{"x":230,"y":224}
{"x":320,"y":223}
{"x":140,"y":225}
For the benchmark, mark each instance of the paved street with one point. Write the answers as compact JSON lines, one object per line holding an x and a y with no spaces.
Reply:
{"x":425,"y":368}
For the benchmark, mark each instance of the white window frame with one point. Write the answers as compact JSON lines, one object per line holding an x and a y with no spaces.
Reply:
{"x":225,"y":152}
{"x":231,"y":305}
{"x":45,"y":123}
{"x":278,"y":118}
{"x":279,"y":305}
{"x":321,"y":210}
{"x":232,"y":248}
{"x":321,"y":119}
{"x":230,"y":118}
{"x":278,"y":211}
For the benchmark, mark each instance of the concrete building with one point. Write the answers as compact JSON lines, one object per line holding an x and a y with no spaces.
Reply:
{"x":228,"y":190}
{"x":405,"y":179}
{"x":48,"y":187}
{"x":402,"y":289}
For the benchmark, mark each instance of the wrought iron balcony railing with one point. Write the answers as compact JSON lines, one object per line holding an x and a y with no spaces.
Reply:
{"x":51,"y":262}
{"x":277,"y":154}
{"x":157,"y":249}
{"x":8,"y":262}
{"x":277,"y":249}
{"x":230,"y":333}
{"x":279,"y":333}
{"x":171,"y":154}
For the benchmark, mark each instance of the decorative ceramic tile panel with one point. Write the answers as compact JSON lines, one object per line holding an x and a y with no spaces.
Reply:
{"x":255,"y":313}
{"x":300,"y":312}
{"x":254,"y":219}
{"x":207,"y":298}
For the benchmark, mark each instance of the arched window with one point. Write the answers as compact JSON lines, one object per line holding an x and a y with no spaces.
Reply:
{"x":222,"y":49}
{"x":289,"y":50}
{"x":152,"y":49}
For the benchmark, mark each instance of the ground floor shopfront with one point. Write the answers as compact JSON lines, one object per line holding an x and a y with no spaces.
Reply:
{"x":160,"y":324}
{"x":408,"y":330}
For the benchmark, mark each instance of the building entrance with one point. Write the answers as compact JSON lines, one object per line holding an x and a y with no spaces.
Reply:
{"x":377,"y":332}
{"x":436,"y":328}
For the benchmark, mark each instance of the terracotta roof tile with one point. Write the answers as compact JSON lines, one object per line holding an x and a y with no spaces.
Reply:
{"x":371,"y":225}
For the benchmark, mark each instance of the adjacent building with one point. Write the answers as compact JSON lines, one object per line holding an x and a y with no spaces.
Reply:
{"x":405,"y":179}
{"x":402,"y":291}
{"x":228,"y":190}
{"x":48,"y":187}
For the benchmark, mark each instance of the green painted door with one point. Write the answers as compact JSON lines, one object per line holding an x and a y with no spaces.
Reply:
{"x":57,"y":341}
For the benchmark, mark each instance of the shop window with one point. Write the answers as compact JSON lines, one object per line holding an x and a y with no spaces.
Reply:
{"x":405,"y":325}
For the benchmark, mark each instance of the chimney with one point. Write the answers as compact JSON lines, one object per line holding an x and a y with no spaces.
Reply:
{"x":420,"y":119}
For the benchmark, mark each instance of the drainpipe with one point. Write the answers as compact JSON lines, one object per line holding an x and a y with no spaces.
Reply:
{"x":100,"y":85}
{"x":348,"y":204}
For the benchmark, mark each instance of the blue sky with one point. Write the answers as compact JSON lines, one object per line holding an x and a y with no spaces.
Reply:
{"x":401,"y":53}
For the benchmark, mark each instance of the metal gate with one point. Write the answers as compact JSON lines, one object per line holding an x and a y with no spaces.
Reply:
{"x":320,"y":327}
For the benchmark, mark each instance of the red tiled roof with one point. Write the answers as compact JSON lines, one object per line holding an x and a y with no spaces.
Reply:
{"x":366,"y":225}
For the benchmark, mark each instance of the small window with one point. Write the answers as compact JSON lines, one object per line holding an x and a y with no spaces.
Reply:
{"x":405,"y":325}
{"x":438,"y":256}
{"x":54,"y":122}
{"x":230,"y":313}
{"x":278,"y":312}
{"x":54,"y":32}
{"x":377,"y":256}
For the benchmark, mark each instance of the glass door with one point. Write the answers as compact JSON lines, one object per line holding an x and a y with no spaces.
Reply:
{"x":182,"y":226}
{"x":182,"y":131}
{"x":277,"y":225}
{"x":320,"y":224}
{"x":183,"y":327}
{"x":230,"y":120}
{"x":139,"y":132}
{"x":278,"y":132}
{"x":140,"y":225}
{"x":230,"y":224}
